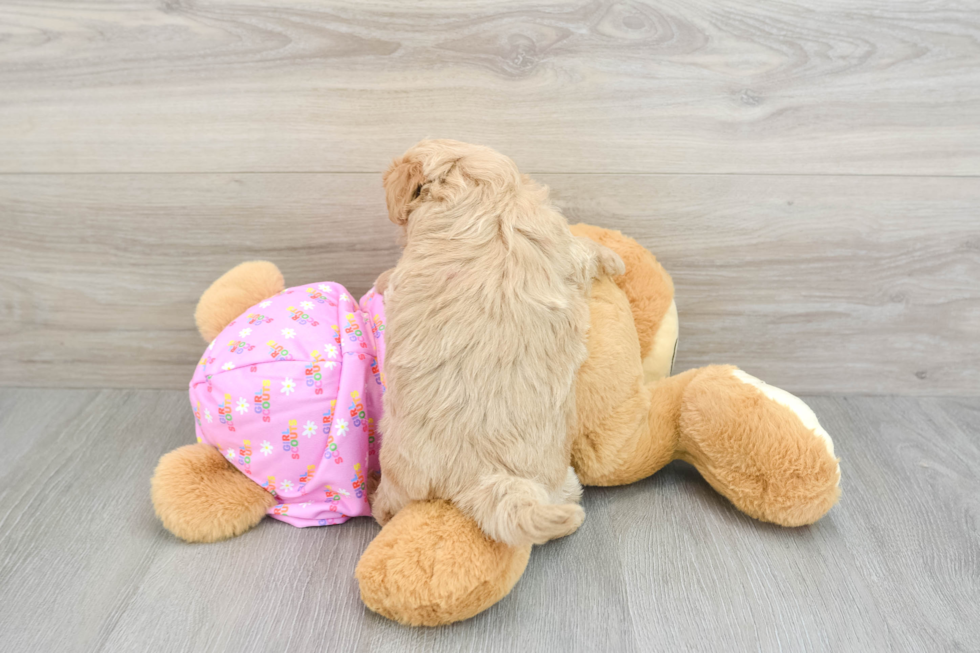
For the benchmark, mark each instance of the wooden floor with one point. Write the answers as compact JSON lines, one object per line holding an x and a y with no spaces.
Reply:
{"x":664,"y":564}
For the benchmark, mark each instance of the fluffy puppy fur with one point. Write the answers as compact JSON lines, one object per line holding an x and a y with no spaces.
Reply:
{"x":487,"y":318}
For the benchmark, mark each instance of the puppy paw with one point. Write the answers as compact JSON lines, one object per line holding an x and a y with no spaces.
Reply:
{"x":382,"y":282}
{"x":560,"y":520}
{"x":607,"y":261}
{"x":386,"y":500}
{"x":571,"y":489}
{"x":610,"y":262}
{"x":382,"y":516}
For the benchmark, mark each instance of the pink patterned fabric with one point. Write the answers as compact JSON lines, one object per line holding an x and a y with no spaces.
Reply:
{"x":290,"y":393}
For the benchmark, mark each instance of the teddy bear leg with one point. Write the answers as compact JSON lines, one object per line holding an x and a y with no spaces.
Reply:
{"x":236,"y":290}
{"x":201,"y":497}
{"x":637,"y":438}
{"x":759,"y":446}
{"x":650,"y":292}
{"x":432,"y":565}
{"x":625,"y":429}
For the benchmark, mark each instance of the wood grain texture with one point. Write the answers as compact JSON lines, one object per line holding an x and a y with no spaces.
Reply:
{"x":837,"y":86}
{"x":816,"y":284}
{"x":846,"y":284}
{"x":816,"y":200}
{"x":101,"y":274}
{"x":664,"y":564}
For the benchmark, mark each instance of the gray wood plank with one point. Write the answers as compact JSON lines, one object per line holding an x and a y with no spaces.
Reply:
{"x":75,"y":533}
{"x":839,"y":86}
{"x":101,"y":274}
{"x":817,"y":284}
{"x":664,"y":564}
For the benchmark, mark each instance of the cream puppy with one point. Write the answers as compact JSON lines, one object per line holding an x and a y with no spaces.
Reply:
{"x":487,"y":318}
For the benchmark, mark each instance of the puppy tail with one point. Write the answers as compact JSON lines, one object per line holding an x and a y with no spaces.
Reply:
{"x":517,"y":511}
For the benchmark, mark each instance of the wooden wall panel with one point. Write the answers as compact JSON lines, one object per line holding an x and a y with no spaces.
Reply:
{"x":818,"y":284}
{"x":837,"y":86}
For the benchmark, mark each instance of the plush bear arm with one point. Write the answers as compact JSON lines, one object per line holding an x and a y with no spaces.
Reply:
{"x":201,"y":497}
{"x":235,"y":291}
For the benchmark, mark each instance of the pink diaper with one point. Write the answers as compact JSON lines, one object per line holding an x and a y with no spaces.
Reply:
{"x":290,"y":393}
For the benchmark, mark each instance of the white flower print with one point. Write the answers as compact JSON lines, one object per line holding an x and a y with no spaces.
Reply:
{"x":341,"y":427}
{"x":289,"y":334}
{"x":344,"y":297}
{"x":330,"y":365}
{"x":309,"y":428}
{"x":207,"y":415}
{"x":244,"y":333}
{"x":266,"y":448}
{"x":242,"y":406}
{"x":306,"y":305}
{"x":325,"y":288}
{"x":228,"y":366}
{"x":266,"y":304}
{"x":288,"y":386}
{"x":230,"y":453}
{"x":305,"y":504}
{"x":286,"y":485}
{"x":211,"y":346}
{"x":331,"y":350}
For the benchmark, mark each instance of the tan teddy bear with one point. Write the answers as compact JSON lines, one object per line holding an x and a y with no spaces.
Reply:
{"x":759,"y":446}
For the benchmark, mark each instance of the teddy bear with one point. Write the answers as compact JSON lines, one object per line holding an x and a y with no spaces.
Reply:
{"x":757,"y":445}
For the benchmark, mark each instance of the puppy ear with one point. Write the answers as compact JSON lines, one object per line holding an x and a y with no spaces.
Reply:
{"x":403,"y":182}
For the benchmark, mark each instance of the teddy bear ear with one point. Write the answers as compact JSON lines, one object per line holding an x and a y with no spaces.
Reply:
{"x":403,"y":183}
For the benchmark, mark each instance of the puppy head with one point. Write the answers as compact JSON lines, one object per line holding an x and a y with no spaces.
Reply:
{"x":441,"y":170}
{"x":403,"y":183}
